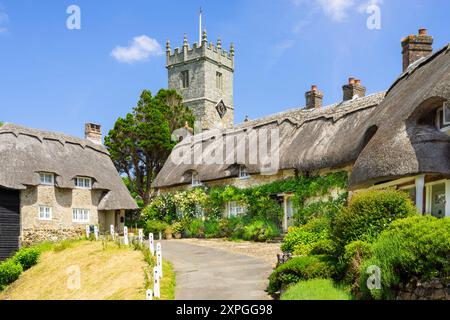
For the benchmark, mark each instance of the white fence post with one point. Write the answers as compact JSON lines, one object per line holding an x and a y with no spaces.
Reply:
{"x":88,"y":231}
{"x":141,"y":237}
{"x":96,"y":233}
{"x":151,"y":244}
{"x":112,"y":232}
{"x":159,"y":262}
{"x":125,"y":236}
{"x":156,"y":286}
{"x":149,"y":294}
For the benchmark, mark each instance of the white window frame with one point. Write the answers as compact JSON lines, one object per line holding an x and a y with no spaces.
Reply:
{"x":235,"y":209}
{"x":195,"y":180}
{"x":243,"y":173}
{"x":446,"y":108}
{"x":45,"y":213}
{"x":83,"y":184}
{"x":441,"y":112}
{"x":47,"y":182}
{"x":81,"y":215}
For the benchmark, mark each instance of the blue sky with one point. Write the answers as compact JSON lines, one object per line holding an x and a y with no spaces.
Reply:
{"x":57,"y":79}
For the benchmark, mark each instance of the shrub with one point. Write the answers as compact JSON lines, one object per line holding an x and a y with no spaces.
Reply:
{"x":301,"y":268}
{"x":323,"y":247}
{"x":316,"y":289}
{"x":355,"y":253}
{"x":414,"y":247}
{"x":212,"y":228}
{"x":155,"y":227}
{"x":162,"y":208}
{"x":369,"y":213}
{"x":194,"y":228}
{"x":177,"y":227}
{"x":10,"y":271}
{"x":27,"y":257}
{"x":301,"y":240}
{"x":260,"y":230}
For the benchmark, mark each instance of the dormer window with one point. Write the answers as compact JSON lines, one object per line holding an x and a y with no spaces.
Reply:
{"x":196,"y":180}
{"x":47,"y":179}
{"x":443,"y":117}
{"x":83,"y":183}
{"x":243,"y":172}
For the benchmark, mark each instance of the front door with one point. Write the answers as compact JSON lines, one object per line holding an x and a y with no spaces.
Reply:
{"x":288,"y":213}
{"x":438,"y":200}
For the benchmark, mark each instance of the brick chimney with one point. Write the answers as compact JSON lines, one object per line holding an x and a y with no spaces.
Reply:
{"x":314,"y":98}
{"x":353,"y":89}
{"x":416,"y":47}
{"x":93,"y":132}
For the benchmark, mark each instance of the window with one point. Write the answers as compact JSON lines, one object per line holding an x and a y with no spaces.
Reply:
{"x":243,"y":172}
{"x":185,"y":79}
{"x":47,"y":179}
{"x":443,"y":117}
{"x":195,"y":180}
{"x":83,"y":183}
{"x":80,"y":215}
{"x":235,"y":209}
{"x":45,"y":213}
{"x":219,"y":81}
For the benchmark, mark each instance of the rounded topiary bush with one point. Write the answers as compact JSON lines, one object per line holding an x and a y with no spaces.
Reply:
{"x":301,"y":268}
{"x":260,"y":230}
{"x":416,"y":247}
{"x":155,"y":227}
{"x":302,"y":240}
{"x":27,"y":257}
{"x":10,"y":271}
{"x":369,"y":213}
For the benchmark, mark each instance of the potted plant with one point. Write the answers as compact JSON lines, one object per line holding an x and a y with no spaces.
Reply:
{"x":168,"y":233}
{"x":177,"y":229}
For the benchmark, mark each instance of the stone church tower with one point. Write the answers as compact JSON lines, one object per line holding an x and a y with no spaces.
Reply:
{"x":203,"y":76}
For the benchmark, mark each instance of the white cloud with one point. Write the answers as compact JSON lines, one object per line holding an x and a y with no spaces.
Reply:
{"x":4,"y":20}
{"x":140,"y":49}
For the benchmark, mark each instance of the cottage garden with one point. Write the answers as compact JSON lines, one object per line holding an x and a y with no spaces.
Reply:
{"x":374,"y":246}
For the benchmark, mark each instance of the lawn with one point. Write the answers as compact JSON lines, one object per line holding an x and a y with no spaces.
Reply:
{"x":107,"y":272}
{"x":317,"y":289}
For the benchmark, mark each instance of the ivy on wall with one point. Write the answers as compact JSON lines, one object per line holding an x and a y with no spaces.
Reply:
{"x":260,"y":201}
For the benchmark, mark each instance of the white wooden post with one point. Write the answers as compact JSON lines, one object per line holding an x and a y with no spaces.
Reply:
{"x":160,"y":236}
{"x":151,"y":244}
{"x":420,"y":185}
{"x":156,"y":286}
{"x":159,"y":259}
{"x":447,"y":198}
{"x":112,"y":232}
{"x":88,"y":231}
{"x":149,"y":294}
{"x":96,"y":233}
{"x":125,"y":236}
{"x":141,"y":237}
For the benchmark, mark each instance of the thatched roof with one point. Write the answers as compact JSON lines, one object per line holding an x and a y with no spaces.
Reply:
{"x":331,"y":137}
{"x":407,"y":142}
{"x":25,"y":152}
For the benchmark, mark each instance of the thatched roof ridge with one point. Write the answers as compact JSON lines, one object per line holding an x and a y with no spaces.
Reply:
{"x":24,"y":152}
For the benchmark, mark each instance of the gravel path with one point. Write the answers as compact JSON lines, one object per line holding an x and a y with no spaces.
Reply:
{"x":220,"y":270}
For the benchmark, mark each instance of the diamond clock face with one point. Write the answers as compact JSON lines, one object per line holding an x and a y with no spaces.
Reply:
{"x":221,"y":109}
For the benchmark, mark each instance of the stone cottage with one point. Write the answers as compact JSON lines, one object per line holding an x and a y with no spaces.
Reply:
{"x":397,"y":138}
{"x":53,"y":185}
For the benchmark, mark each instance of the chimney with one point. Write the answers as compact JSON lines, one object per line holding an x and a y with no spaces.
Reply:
{"x":353,"y":89}
{"x":416,"y":47}
{"x":93,"y":132}
{"x":314,"y":98}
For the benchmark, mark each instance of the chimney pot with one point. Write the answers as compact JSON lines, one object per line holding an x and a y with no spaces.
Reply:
{"x":353,"y":88}
{"x":423,"y":32}
{"x":314,"y":98}
{"x":416,"y":47}
{"x":351,"y":80}
{"x":93,"y":132}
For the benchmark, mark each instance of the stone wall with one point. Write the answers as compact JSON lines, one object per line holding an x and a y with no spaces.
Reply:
{"x":37,"y":235}
{"x":435,"y":289}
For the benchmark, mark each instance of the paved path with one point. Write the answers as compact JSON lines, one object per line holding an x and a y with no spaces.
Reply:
{"x":208,"y":273}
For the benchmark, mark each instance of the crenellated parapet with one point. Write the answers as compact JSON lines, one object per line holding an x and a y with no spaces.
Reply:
{"x":207,"y":51}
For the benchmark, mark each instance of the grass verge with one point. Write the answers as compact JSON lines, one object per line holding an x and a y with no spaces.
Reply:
{"x":316,"y":289}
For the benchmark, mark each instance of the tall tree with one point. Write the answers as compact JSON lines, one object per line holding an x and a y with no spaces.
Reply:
{"x":140,"y":143}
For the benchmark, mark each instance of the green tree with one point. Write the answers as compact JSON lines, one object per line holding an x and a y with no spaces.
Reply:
{"x":140,"y":143}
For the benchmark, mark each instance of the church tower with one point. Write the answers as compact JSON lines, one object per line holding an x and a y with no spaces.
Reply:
{"x":203,"y":75}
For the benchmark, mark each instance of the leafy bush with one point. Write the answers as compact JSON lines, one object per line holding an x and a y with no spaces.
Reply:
{"x":316,"y":289}
{"x":369,"y":213}
{"x":27,"y":257}
{"x":301,"y":268}
{"x":414,"y":247}
{"x":177,"y":227}
{"x":10,"y":271}
{"x":155,"y":227}
{"x":355,"y":253}
{"x":194,"y":228}
{"x":323,"y":247}
{"x":162,"y":208}
{"x":212,"y":228}
{"x":301,"y":240}
{"x":260,"y":230}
